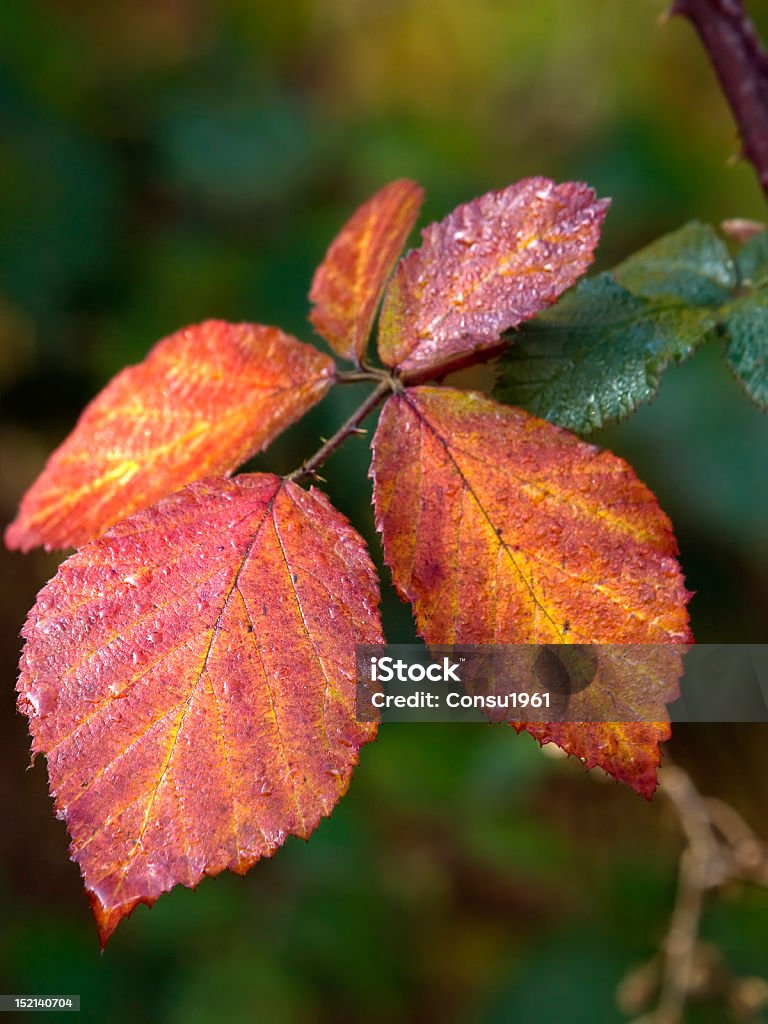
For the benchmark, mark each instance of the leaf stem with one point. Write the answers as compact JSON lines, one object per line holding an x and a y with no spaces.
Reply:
{"x":361,"y":374}
{"x":741,"y":64}
{"x":308,"y":468}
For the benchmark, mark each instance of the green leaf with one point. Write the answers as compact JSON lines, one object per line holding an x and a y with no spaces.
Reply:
{"x":597,"y":354}
{"x":692,"y":265}
{"x":745,"y":324}
{"x":600,"y":352}
{"x":752,"y":262}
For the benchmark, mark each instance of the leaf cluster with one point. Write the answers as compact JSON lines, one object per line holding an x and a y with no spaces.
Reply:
{"x":189,"y":673}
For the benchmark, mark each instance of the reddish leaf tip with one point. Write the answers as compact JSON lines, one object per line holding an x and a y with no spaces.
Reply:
{"x":107,"y":920}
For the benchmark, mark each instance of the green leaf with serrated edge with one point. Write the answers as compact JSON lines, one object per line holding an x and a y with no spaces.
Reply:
{"x":752,"y":262}
{"x":745,"y":326}
{"x":597,"y":354}
{"x":692,"y":264}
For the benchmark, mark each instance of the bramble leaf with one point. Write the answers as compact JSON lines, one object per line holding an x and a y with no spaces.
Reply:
{"x":501,"y":528}
{"x":752,"y":262}
{"x":203,"y":401}
{"x":590,"y":683}
{"x":629,"y":751}
{"x":597,"y":354}
{"x":745,"y":324}
{"x":692,"y":264}
{"x":745,"y":321}
{"x":348,"y":284}
{"x":489,"y":265}
{"x":600,"y":352}
{"x":190,"y":678}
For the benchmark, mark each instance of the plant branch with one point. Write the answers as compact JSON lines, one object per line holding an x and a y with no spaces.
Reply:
{"x":458,"y":362}
{"x":362,"y":374}
{"x":704,"y":864}
{"x":720,"y":848}
{"x":741,"y":64}
{"x":350,"y":426}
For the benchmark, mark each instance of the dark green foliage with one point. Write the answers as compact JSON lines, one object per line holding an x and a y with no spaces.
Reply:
{"x":692,"y":265}
{"x":597,"y":354}
{"x":600,"y":352}
{"x":752,"y":262}
{"x":746,"y":321}
{"x":745,"y":324}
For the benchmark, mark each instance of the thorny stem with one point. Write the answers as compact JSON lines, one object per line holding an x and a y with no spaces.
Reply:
{"x":387,"y":382}
{"x":741,"y":64}
{"x":386,"y":385}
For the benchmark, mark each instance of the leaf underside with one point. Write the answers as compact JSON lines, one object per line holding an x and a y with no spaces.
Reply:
{"x":190,"y":677}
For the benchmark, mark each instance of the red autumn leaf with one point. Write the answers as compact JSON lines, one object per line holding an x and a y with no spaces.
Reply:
{"x":617,"y":720}
{"x":627,"y":750}
{"x":190,"y":677}
{"x":347,"y":285}
{"x":203,"y":401}
{"x":586,"y":683}
{"x":501,"y":528}
{"x":491,"y":264}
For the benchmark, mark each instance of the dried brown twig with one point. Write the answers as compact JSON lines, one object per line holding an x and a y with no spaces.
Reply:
{"x":720,"y":849}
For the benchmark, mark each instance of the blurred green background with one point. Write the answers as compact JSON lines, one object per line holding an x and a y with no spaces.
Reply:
{"x":165,"y":161}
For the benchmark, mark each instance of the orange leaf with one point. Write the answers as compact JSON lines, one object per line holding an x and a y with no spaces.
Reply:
{"x":347,"y":285}
{"x":203,"y":401}
{"x":501,"y":528}
{"x":190,"y":677}
{"x":627,"y":750}
{"x":491,"y":264}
